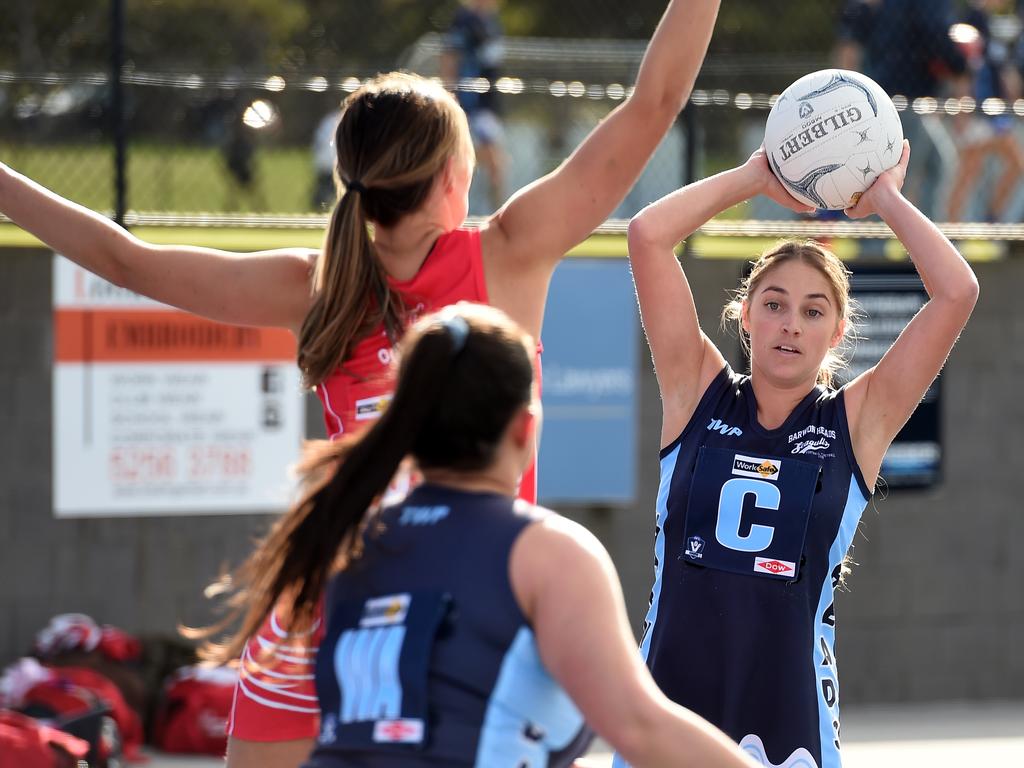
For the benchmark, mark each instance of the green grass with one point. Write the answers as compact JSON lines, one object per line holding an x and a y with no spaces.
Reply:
{"x":182,"y":179}
{"x":170,"y":177}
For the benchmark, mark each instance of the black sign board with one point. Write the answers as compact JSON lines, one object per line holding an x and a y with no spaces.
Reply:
{"x":888,"y":298}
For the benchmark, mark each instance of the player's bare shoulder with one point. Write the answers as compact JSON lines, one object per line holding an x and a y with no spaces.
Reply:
{"x":310,"y":257}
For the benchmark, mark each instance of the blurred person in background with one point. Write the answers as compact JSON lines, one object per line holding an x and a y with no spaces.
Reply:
{"x":978,"y":134}
{"x":396,"y":248}
{"x":474,"y":48}
{"x":323,"y":156}
{"x":238,"y":148}
{"x":904,"y":45}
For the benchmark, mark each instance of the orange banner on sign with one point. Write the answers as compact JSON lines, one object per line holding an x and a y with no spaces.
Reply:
{"x":128,"y":336}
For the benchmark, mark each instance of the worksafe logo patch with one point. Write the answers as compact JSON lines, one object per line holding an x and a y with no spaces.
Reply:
{"x":751,"y":466}
{"x":385,"y":611}
{"x":371,"y":407}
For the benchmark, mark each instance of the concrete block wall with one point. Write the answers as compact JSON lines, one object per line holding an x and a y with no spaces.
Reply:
{"x":933,"y":610}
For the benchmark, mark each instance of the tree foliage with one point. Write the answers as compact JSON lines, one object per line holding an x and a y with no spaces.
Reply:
{"x":743,"y":27}
{"x":48,"y":35}
{"x":61,"y":35}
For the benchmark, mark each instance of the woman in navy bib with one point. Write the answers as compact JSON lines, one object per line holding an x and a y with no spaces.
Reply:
{"x":764,"y":476}
{"x":463,"y":627}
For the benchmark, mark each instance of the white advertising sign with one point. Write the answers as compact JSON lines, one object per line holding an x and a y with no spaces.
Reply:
{"x":156,"y":411}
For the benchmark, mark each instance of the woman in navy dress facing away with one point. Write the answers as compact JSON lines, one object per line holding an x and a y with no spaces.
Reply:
{"x":464,"y":627}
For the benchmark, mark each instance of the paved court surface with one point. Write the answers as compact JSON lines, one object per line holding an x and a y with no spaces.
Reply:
{"x":938,"y":736}
{"x":935,"y":735}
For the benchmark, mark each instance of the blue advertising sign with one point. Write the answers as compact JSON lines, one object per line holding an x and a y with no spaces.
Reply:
{"x":591,"y":331}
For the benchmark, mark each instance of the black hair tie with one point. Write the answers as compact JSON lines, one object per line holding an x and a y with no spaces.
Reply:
{"x":355,"y":185}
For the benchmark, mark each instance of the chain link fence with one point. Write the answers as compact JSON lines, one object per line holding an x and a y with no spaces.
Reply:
{"x":225,"y":104}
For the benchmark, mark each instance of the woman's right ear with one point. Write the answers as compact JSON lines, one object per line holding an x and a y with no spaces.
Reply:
{"x":448,"y":174}
{"x":524,"y":426}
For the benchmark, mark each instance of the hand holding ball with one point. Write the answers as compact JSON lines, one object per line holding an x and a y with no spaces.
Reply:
{"x":829,"y":136}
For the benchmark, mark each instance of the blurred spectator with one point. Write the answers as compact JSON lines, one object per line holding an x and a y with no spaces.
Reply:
{"x":474,"y":48}
{"x":239,"y":151}
{"x":905,"y":46}
{"x":324,"y":191}
{"x":981,"y":136}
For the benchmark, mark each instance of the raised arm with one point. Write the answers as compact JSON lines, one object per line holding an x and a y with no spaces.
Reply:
{"x":685,"y":360}
{"x":881,"y":399}
{"x":568,"y":588}
{"x":541,"y":222}
{"x":269,"y":288}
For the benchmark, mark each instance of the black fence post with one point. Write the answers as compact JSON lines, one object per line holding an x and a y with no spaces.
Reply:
{"x":690,"y":160}
{"x":688,"y":122}
{"x":117,"y":109}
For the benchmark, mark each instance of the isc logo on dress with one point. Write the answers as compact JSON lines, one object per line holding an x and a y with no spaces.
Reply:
{"x":750,"y":466}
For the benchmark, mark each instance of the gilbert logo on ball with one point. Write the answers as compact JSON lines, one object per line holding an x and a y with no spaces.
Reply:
{"x":829,"y":135}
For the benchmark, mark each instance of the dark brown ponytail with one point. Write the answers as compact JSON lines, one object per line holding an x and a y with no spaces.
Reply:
{"x":464,"y":373}
{"x":395,"y":135}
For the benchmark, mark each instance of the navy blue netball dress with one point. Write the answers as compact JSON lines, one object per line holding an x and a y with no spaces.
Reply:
{"x":752,"y":528}
{"x":427,"y":659}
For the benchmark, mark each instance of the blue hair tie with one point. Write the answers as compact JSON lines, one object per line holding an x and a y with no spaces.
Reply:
{"x":458,"y":330}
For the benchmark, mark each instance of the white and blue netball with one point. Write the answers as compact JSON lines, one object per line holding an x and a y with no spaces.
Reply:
{"x":829,"y":135}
